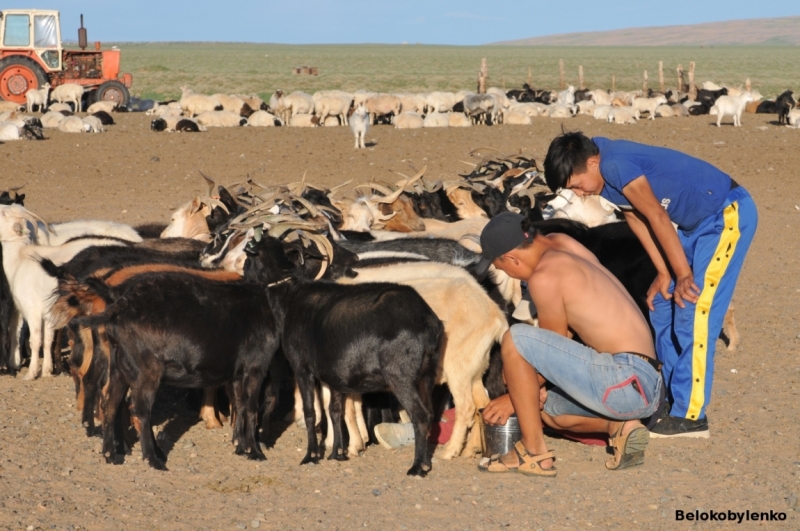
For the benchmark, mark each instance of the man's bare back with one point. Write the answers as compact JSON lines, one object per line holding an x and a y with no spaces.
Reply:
{"x":572,"y":290}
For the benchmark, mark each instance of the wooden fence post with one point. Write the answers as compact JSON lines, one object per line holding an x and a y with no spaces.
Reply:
{"x":692,"y":87}
{"x":530,"y":76}
{"x":748,"y":86}
{"x":644,"y":83}
{"x":561,"y":85}
{"x":661,"y":76}
{"x":613,"y":83}
{"x":580,"y":78}
{"x":482,"y":75}
{"x":681,"y":86}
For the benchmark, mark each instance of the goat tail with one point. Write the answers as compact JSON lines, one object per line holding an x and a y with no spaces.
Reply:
{"x":52,"y":269}
{"x":75,"y":300}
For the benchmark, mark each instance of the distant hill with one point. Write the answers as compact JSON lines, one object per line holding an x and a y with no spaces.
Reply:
{"x":760,"y":31}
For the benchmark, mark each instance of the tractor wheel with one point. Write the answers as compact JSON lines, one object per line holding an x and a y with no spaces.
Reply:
{"x":113,"y":91}
{"x":17,"y":76}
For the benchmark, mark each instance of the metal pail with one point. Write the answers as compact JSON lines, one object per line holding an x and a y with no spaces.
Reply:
{"x":499,"y":439}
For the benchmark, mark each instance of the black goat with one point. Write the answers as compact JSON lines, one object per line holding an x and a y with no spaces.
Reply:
{"x":186,"y":330}
{"x":356,"y":339}
{"x":709,"y":97}
{"x":784,"y":105}
{"x":104,"y":117}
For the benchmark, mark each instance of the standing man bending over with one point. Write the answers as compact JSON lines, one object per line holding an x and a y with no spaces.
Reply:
{"x":698,"y":264}
{"x":605,"y":386}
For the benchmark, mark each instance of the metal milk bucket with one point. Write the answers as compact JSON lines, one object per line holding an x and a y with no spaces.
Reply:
{"x":499,"y":439}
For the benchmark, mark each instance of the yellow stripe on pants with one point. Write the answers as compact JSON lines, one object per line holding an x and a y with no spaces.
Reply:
{"x":714,"y":271}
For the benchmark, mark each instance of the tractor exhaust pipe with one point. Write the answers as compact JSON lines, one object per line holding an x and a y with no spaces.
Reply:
{"x":82,"y":40}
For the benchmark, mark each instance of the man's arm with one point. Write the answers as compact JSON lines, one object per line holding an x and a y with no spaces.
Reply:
{"x":641,"y":229}
{"x":547,"y":296}
{"x":641,"y":197}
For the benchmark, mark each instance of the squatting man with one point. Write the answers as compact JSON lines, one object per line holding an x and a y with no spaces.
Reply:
{"x":604,"y":386}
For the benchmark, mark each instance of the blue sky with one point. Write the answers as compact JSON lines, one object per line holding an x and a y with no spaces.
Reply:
{"x":462,"y":22}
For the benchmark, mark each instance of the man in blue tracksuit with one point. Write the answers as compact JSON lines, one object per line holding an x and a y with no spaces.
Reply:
{"x":698,"y":264}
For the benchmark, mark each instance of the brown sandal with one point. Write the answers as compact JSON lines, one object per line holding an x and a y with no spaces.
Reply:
{"x":628,"y":448}
{"x":529,"y":464}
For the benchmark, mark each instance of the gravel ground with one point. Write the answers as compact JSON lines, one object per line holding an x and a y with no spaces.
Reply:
{"x":53,"y":476}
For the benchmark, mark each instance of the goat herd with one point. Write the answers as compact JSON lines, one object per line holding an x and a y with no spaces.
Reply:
{"x":360,"y":109}
{"x":259,"y":285}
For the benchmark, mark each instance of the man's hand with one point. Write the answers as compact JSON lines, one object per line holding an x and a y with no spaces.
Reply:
{"x":686,"y":290}
{"x":542,"y":397}
{"x":496,"y":413}
{"x":659,"y":285}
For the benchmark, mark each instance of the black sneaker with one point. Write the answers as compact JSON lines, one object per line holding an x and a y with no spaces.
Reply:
{"x":680,"y":427}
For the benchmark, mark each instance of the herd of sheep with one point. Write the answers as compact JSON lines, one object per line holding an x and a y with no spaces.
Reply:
{"x":197,"y":112}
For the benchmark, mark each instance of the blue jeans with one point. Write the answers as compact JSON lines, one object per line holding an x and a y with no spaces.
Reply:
{"x":586,"y":382}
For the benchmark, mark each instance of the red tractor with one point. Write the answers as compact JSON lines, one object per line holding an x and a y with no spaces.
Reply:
{"x":31,"y":55}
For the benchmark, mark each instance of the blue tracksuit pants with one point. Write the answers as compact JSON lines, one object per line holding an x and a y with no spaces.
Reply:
{"x":686,"y":337}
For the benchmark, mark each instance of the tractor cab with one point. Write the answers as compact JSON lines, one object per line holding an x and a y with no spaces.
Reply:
{"x":31,"y":54}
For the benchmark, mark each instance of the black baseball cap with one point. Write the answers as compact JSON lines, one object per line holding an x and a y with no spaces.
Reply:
{"x":502,"y":234}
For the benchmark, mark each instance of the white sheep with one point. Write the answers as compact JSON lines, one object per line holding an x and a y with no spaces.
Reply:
{"x":437,"y":119}
{"x":382,"y":105}
{"x":107,"y":106}
{"x":230,"y":103}
{"x":408,"y":120}
{"x":731,"y":106}
{"x":586,"y":107}
{"x":623,"y":115}
{"x":665,"y":111}
{"x":601,"y":112}
{"x":412,"y":103}
{"x":162,"y":111}
{"x":600,"y":97}
{"x":516,"y":118}
{"x":560,"y":110}
{"x":459,"y":119}
{"x":9,"y":106}
{"x":304,"y":120}
{"x":74,"y":124}
{"x":68,"y":93}
{"x":38,"y":97}
{"x":262,"y":119}
{"x":359,"y":124}
{"x":193,"y":104}
{"x":332,"y":103}
{"x":679,"y":110}
{"x":8,"y":132}
{"x":528,"y":109}
{"x":298,"y":102}
{"x":51,"y":119}
{"x":440,"y":101}
{"x":710,"y":85}
{"x":220,"y":119}
{"x":648,"y":105}
{"x":94,"y":123}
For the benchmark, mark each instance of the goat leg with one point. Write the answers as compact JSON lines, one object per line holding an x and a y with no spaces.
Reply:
{"x":117,"y":387}
{"x":335,"y":408}
{"x":253,"y":379}
{"x":143,"y":394}
{"x":418,"y":407}
{"x":305,"y":382}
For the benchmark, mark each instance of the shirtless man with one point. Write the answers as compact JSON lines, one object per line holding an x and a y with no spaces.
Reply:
{"x":603,"y":387}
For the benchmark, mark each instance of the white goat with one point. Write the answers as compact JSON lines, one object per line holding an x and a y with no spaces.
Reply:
{"x":359,"y":125}
{"x":731,"y":106}
{"x":31,"y":288}
{"x":648,"y":105}
{"x":591,"y":210}
{"x":567,"y":97}
{"x":38,"y":97}
{"x":68,"y":93}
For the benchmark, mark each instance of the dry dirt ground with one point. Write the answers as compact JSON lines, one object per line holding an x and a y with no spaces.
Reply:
{"x":52,"y":475}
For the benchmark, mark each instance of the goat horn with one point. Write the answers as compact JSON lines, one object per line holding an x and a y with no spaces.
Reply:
{"x":302,"y":187}
{"x":215,"y":203}
{"x":209,"y":181}
{"x":308,"y":205}
{"x":327,"y":249}
{"x":33,"y":218}
{"x":337,"y":188}
{"x":470,"y":163}
{"x":391,"y":198}
{"x":377,"y":187}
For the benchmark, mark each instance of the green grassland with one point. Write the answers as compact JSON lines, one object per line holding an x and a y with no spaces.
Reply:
{"x":159,"y":69}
